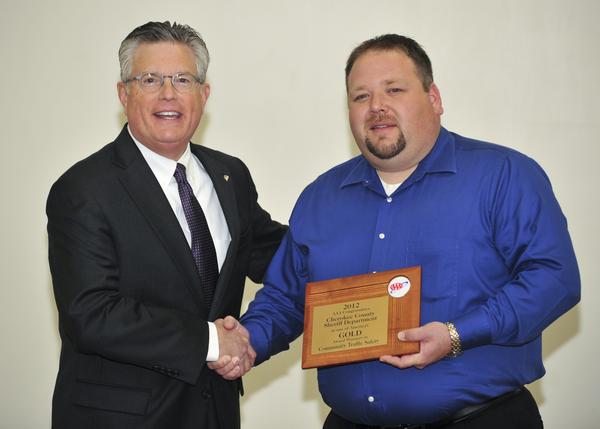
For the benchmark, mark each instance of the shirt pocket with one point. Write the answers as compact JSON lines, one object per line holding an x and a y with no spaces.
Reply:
{"x":438,"y":259}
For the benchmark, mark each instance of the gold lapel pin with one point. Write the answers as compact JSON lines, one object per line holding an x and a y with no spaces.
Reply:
{"x":226,"y":177}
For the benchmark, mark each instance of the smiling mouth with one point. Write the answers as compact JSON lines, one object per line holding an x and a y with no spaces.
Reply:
{"x":168,"y":115}
{"x":381,"y":126}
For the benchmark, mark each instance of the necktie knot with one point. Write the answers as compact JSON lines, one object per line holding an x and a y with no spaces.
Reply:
{"x":180,"y":173}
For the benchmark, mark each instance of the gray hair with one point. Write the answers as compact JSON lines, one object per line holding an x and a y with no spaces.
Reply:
{"x":154,"y":32}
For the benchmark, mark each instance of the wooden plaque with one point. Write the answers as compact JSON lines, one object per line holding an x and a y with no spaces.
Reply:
{"x":358,"y":318}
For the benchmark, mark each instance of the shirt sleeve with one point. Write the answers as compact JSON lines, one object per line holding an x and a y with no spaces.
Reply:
{"x":530,"y":232}
{"x":275,"y":317}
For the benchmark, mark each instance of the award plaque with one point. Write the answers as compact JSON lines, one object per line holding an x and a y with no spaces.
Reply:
{"x":358,"y":318}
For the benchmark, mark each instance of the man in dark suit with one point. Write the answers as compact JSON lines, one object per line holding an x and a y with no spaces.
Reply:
{"x":151,"y":238}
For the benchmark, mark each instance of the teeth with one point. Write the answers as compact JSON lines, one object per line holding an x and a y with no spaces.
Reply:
{"x":168,"y":114}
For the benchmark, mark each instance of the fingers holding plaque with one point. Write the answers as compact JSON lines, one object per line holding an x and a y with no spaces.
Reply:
{"x":357,"y":318}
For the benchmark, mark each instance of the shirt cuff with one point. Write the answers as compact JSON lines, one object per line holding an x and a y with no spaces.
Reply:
{"x":473,"y":329}
{"x":213,"y":343}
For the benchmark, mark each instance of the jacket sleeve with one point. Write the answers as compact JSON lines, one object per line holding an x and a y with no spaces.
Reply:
{"x":266,"y":235}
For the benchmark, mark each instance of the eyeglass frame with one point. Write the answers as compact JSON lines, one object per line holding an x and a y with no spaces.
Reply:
{"x":162,"y":77}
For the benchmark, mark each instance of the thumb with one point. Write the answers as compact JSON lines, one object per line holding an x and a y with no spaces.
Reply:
{"x":230,"y":323}
{"x":409,"y":335}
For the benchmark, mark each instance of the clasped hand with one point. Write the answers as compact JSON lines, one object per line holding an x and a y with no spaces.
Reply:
{"x":236,"y":355}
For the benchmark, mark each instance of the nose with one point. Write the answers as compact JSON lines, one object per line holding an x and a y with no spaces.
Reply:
{"x":167,"y":90}
{"x":377,"y":103}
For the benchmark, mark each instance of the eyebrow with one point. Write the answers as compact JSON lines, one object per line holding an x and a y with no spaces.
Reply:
{"x":385,"y":83}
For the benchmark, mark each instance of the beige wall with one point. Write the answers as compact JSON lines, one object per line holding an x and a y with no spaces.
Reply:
{"x":522,"y":73}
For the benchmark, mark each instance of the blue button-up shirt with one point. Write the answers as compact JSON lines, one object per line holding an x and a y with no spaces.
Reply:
{"x":496,"y":258}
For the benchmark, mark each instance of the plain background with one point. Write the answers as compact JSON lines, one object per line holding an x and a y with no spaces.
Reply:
{"x":522,"y":73}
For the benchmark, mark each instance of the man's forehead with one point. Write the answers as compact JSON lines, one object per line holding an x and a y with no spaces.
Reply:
{"x":383,"y":67}
{"x":162,"y":53}
{"x":159,"y":47}
{"x":374,"y":59}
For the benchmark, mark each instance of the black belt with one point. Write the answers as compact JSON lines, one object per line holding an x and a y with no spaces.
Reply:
{"x":460,"y":416}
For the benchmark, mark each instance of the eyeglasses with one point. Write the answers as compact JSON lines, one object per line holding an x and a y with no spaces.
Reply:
{"x":152,"y":82}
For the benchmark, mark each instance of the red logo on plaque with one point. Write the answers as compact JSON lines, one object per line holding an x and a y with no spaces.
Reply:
{"x":398,"y":286}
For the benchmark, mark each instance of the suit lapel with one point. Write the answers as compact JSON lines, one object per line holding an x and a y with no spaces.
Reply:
{"x":224,"y":187}
{"x":145,"y":191}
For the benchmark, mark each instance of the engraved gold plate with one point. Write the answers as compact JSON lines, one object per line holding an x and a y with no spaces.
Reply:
{"x":350,"y":325}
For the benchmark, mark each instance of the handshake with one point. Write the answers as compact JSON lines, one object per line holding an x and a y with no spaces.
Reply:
{"x":236,"y":355}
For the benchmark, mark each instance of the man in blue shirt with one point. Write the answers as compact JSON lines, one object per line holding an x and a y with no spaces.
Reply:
{"x":480,"y":219}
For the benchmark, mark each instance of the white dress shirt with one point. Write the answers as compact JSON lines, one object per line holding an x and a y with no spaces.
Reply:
{"x":204,"y":191}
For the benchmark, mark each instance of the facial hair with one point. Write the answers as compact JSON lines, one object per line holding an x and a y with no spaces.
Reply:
{"x":386,"y":151}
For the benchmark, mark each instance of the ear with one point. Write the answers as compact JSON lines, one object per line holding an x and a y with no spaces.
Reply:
{"x":122,"y":91}
{"x":205,"y":91}
{"x":436,"y":99}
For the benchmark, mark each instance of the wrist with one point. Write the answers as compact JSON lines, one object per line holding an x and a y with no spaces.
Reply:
{"x":455,"y":344}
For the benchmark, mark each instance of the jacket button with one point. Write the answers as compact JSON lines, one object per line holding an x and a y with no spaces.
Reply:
{"x":206,"y":395}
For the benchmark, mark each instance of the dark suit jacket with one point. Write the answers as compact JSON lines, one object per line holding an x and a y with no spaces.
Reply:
{"x":132,"y":318}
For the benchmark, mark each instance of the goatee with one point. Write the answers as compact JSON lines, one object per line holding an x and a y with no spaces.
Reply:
{"x":386,"y":151}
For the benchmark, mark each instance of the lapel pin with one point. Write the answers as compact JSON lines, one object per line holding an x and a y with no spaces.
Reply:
{"x":226,"y":177}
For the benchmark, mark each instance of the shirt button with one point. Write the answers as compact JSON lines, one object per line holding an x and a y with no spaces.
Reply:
{"x":370,"y":399}
{"x":381,"y":235}
{"x":389,"y":199}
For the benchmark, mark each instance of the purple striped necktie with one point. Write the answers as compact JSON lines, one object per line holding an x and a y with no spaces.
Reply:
{"x":203,"y":248}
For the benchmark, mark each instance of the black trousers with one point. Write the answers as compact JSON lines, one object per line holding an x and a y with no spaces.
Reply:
{"x":519,"y":411}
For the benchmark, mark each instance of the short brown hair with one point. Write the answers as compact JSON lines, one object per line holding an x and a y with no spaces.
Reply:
{"x":389,"y":42}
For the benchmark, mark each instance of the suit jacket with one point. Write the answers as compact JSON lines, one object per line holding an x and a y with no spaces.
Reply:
{"x":132,"y":317}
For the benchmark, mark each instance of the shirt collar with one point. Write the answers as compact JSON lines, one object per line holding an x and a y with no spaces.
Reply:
{"x":162,"y":167}
{"x":441,"y":159}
